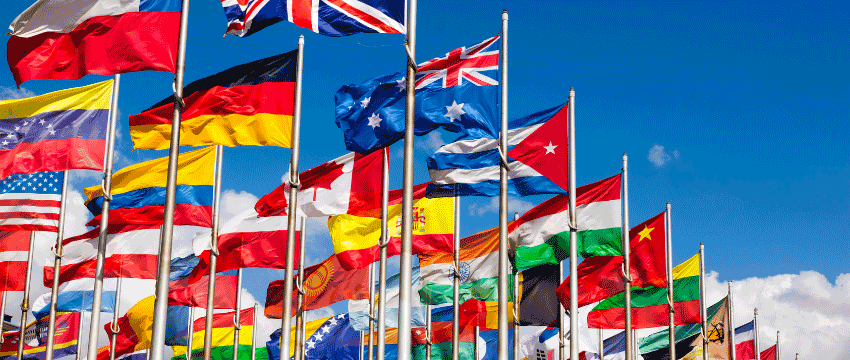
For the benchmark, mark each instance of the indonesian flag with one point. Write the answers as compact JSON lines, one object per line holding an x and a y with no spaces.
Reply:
{"x":745,"y":341}
{"x":350,"y":184}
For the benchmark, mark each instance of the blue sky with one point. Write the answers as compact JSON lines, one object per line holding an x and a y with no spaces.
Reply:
{"x":736,"y":113}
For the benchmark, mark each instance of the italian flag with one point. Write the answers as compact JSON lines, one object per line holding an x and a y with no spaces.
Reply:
{"x":479,"y":260}
{"x":542,"y":235}
{"x":649,"y":305}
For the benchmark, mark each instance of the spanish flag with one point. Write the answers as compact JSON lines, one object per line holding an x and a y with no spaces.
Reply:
{"x":249,"y":104}
{"x":222,"y":336}
{"x":355,"y":236}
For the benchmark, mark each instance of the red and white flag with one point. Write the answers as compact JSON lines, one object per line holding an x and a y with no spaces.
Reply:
{"x":14,"y":246}
{"x":745,"y":342}
{"x":349,"y":184}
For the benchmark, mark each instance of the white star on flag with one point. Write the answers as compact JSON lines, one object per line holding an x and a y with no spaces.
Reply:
{"x":375,"y":121}
{"x":550,"y":148}
{"x":454,"y":111}
{"x":311,"y":344}
{"x":318,"y":336}
{"x":401,"y":84}
{"x":365,"y":102}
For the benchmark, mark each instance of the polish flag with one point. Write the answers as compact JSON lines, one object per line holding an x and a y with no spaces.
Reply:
{"x":745,"y":342}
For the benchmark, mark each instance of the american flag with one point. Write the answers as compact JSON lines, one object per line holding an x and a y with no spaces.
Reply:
{"x":31,"y":201}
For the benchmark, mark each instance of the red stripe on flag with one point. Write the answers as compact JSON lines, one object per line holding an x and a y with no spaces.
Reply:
{"x":363,"y":17}
{"x":14,"y":241}
{"x":262,"y":249}
{"x":225,"y":320}
{"x":184,"y":214}
{"x":52,"y":155}
{"x":302,"y":13}
{"x":29,"y":227}
{"x":687,"y":312}
{"x":28,"y":202}
{"x":137,"y":266}
{"x":11,"y":275}
{"x":28,"y":215}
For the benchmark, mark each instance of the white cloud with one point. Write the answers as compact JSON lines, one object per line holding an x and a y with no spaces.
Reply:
{"x":235,"y":202}
{"x":431,"y":142}
{"x":658,"y":157}
{"x":515,"y":205}
{"x":8,"y":93}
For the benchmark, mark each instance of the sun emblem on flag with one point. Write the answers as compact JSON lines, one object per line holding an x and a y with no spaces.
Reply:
{"x":316,"y":283}
{"x":717,"y":333}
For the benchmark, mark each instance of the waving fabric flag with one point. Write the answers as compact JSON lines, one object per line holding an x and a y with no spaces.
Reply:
{"x":222,"y":335}
{"x":456,"y":92}
{"x":76,"y":296}
{"x":479,"y":259}
{"x":326,"y":17}
{"x":328,"y":338}
{"x":248,"y":104}
{"x":541,"y":236}
{"x":14,"y":248}
{"x":359,"y":309}
{"x":31,"y":202}
{"x":194,"y":294}
{"x":745,"y":339}
{"x":538,"y":304}
{"x":656,"y":346}
{"x":103,"y":37}
{"x":537,"y":158}
{"x":134,"y":330}
{"x":35,"y":338}
{"x":768,"y":354}
{"x":58,"y":131}
{"x":614,"y":348}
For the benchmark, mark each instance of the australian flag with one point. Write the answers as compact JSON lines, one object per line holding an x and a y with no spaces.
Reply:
{"x":326,"y":17}
{"x":457,"y":92}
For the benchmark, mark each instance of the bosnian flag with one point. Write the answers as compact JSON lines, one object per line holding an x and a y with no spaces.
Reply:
{"x":745,"y":341}
{"x":537,"y":159}
{"x":62,"y":39}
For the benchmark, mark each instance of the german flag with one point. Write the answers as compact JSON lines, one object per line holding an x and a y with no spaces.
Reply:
{"x":249,"y":104}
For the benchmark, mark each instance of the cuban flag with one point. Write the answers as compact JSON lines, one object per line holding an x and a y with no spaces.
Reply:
{"x":745,"y":342}
{"x":537,"y":159}
{"x":457,"y":92}
{"x":326,"y":17}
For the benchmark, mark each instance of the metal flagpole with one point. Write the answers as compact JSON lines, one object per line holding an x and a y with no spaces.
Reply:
{"x":253,"y":333}
{"x":477,"y":330}
{"x":79,"y":336}
{"x":406,"y":246}
{"x":627,"y":273}
{"x":573,"y":233}
{"x":156,"y":352}
{"x":25,"y":303}
{"x":562,"y":334}
{"x":636,"y":351}
{"x":382,"y":263}
{"x":216,"y":210}
{"x":57,"y":264}
{"x":503,"y":198}
{"x":361,"y":346}
{"x":191,"y":331}
{"x":97,"y":296}
{"x":602,"y":345}
{"x":671,"y":325}
{"x":237,"y":317}
{"x":428,"y":332}
{"x":3,"y":314}
{"x":702,"y":312}
{"x":299,"y":304}
{"x":371,"y":284}
{"x":115,"y":328}
{"x":756,"y":333}
{"x":456,"y":279}
{"x":517,"y":294}
{"x":777,"y":345}
{"x":294,"y":183}
{"x":731,"y":325}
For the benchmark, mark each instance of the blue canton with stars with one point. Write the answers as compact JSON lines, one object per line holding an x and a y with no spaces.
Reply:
{"x":44,"y":182}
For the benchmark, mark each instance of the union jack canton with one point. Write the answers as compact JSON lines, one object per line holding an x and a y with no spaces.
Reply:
{"x":326,"y":17}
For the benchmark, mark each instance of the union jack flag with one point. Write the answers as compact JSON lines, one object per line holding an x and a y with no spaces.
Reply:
{"x":326,"y":17}
{"x":460,"y":64}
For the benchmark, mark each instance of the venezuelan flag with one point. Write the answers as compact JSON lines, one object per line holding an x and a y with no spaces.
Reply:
{"x":222,"y":336}
{"x":249,"y":104}
{"x":57,"y":131}
{"x":138,"y":191}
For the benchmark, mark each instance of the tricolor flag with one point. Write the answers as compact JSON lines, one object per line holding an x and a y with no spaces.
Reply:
{"x":538,"y":303}
{"x":35,"y":338}
{"x":359,"y":309}
{"x":537,"y":158}
{"x":58,"y":131}
{"x":769,"y":353}
{"x":134,"y":330}
{"x":222,"y":335}
{"x":656,"y":346}
{"x":745,"y":346}
{"x":14,"y":246}
{"x":326,"y":17}
{"x":248,"y":104}
{"x":102,"y":37}
{"x":487,"y":344}
{"x":541,"y":236}
{"x":479,"y":259}
{"x":194,"y":294}
{"x":138,"y":192}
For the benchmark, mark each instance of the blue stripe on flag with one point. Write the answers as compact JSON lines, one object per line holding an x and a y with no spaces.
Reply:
{"x":531,"y":185}
{"x":77,"y":301}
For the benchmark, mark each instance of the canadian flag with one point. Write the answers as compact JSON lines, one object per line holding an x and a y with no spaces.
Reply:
{"x":350,"y":184}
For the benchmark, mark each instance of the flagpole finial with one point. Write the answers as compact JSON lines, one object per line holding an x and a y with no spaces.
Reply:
{"x":301,"y":39}
{"x":756,"y":311}
{"x":625,"y":155}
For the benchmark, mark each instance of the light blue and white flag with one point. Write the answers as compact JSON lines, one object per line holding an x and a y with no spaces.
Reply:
{"x":537,"y":159}
{"x":76,"y":296}
{"x":359,"y":309}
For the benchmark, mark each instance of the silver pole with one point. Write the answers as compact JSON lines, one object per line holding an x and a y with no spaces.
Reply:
{"x":80,"y":336}
{"x":237,"y":317}
{"x":428,"y":332}
{"x":627,"y":288}
{"x":208,"y":321}
{"x":602,"y":345}
{"x":516,"y":309}
{"x":115,"y":329}
{"x":286,"y":319}
{"x":191,"y":331}
{"x":777,"y":345}
{"x":299,"y":304}
{"x":636,"y":351}
{"x":57,"y":264}
{"x":703,"y":315}
{"x":562,"y":339}
{"x":254,"y":333}
{"x":731,"y":325}
{"x":756,"y":333}
{"x":476,"y":342}
{"x":25,"y":303}
{"x":406,"y":246}
{"x":573,"y":233}
{"x":3,"y":312}
{"x":360,"y":356}
{"x":371,"y":284}
{"x":671,"y":325}
{"x":97,"y":297}
{"x":382,"y":263}
{"x":503,"y":199}
{"x":456,"y":280}
{"x":156,"y":352}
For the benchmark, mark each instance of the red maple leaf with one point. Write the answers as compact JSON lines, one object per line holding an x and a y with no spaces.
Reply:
{"x":319,"y":177}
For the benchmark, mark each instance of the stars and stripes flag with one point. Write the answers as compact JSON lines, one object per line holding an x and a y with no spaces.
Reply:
{"x":326,"y":17}
{"x":31,"y":201}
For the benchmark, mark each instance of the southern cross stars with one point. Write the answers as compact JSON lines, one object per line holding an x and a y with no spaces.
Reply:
{"x":454,"y":111}
{"x":550,"y":149}
{"x":365,"y":102}
{"x":401,"y":84}
{"x":374,"y":121}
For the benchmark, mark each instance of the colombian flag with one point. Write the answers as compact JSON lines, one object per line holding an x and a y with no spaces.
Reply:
{"x":138,"y":192}
{"x":249,"y":104}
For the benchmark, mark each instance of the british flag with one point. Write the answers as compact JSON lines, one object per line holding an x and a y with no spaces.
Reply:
{"x":326,"y":17}
{"x":461,"y":64}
